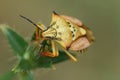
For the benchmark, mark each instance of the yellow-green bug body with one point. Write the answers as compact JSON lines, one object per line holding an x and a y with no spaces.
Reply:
{"x":67,"y":31}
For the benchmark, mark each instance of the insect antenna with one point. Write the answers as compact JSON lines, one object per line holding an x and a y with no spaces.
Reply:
{"x":30,"y":21}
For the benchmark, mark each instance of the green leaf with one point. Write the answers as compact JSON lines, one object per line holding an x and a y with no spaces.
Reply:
{"x":62,"y":57}
{"x":8,"y":76}
{"x":25,"y":75}
{"x":47,"y":62}
{"x":16,"y":41}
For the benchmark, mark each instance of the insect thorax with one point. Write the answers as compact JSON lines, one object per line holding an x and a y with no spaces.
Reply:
{"x":64,"y":31}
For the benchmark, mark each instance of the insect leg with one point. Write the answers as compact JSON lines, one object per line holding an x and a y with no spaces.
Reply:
{"x":71,"y":56}
{"x":83,"y":50}
{"x":54,"y":49}
{"x":37,"y":33}
{"x":54,"y":52}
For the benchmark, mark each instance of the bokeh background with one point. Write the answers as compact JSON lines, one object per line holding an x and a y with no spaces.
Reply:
{"x":100,"y":62}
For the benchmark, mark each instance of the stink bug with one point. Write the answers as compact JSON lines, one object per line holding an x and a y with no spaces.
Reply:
{"x":67,"y":31}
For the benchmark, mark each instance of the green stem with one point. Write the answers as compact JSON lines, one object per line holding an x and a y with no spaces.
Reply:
{"x":25,"y":75}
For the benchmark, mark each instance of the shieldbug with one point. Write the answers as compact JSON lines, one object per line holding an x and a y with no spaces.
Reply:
{"x":67,"y":31}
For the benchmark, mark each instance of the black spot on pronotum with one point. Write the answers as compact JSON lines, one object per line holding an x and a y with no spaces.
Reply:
{"x":74,"y":29}
{"x":73,"y":35}
{"x":72,"y":32}
{"x":59,"y":33}
{"x":70,"y":26}
{"x":57,"y":26}
{"x":68,"y":22}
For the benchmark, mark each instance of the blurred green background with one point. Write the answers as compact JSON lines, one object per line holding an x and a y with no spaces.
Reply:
{"x":100,"y":62}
